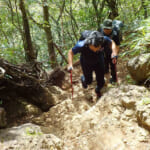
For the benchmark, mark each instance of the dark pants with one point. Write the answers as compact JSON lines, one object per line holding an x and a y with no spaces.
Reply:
{"x":109,"y":64}
{"x":97,"y":68}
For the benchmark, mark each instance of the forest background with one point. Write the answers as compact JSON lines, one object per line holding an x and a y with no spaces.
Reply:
{"x":44,"y":30}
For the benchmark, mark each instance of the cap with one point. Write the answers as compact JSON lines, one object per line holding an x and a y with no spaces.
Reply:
{"x":107,"y":24}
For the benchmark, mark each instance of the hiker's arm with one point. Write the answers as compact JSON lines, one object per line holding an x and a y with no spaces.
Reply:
{"x":115,"y":51}
{"x":70,"y":59}
{"x":118,"y":48}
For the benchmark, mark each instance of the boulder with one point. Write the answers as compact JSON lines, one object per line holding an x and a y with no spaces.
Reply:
{"x":29,"y":137}
{"x":139,"y":67}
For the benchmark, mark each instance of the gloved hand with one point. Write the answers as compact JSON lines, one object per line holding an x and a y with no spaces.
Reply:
{"x":70,"y":68}
{"x":114,"y":59}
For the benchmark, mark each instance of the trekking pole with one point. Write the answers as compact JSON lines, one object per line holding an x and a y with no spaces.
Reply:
{"x":71,"y":83}
{"x":116,"y":72}
{"x":116,"y":68}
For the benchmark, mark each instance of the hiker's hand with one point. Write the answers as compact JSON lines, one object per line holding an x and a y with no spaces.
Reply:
{"x":70,"y":68}
{"x":114,"y":59}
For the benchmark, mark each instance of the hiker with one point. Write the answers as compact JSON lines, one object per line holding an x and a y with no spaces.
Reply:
{"x":92,"y":58}
{"x":108,"y":30}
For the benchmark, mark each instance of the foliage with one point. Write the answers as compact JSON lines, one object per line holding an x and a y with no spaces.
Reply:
{"x":11,"y":43}
{"x":129,"y":79}
{"x":145,"y":101}
{"x":138,"y":40}
{"x":32,"y":132}
{"x":67,"y":20}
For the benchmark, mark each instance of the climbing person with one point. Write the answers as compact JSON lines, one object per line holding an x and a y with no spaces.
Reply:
{"x":92,"y":58}
{"x":108,"y":30}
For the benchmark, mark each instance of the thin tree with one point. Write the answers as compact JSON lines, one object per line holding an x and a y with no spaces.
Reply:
{"x":113,"y":6}
{"x":47,"y":29}
{"x":98,"y":7}
{"x":29,"y":51}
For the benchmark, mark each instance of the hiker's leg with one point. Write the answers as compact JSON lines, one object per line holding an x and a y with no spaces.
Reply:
{"x":99,"y":71}
{"x":106,"y":62}
{"x":113,"y":72}
{"x":87,"y":72}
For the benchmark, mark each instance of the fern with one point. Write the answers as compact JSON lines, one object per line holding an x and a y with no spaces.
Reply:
{"x":138,"y":42}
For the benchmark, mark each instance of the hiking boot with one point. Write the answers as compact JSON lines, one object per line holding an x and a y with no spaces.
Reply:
{"x":112,"y":80}
{"x":84,"y":85}
{"x":98,"y":95}
{"x":97,"y":91}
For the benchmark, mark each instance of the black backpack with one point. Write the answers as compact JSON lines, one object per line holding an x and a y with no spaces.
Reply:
{"x":84,"y":34}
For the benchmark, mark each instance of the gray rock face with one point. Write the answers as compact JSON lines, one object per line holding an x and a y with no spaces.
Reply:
{"x":143,"y":114}
{"x":139,"y":67}
{"x":29,"y":137}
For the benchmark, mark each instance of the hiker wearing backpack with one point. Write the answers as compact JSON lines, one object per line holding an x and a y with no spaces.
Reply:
{"x":108,"y":30}
{"x":92,"y":58}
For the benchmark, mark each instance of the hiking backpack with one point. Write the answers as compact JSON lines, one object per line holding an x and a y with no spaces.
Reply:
{"x":117,"y":26}
{"x":84,"y":34}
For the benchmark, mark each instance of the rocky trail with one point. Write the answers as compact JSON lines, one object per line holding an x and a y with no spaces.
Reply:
{"x":119,"y":120}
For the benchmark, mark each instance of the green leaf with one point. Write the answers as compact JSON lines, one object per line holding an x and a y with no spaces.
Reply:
{"x":8,"y":76}
{"x":87,"y":1}
{"x":129,"y":79}
{"x":146,"y":101}
{"x":32,"y":132}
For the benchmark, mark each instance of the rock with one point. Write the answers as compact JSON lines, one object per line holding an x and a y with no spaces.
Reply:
{"x":20,"y":107}
{"x":129,"y":112}
{"x":32,"y":109}
{"x":58,"y":94}
{"x":139,"y":67}
{"x":2,"y":72}
{"x":147,"y":82}
{"x":29,"y":137}
{"x":56,"y":76}
{"x":3,"y":122}
{"x":128,"y":102}
{"x":143,"y":115}
{"x":109,"y":124}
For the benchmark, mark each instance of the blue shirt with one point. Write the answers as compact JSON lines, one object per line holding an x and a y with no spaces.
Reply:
{"x":87,"y":55}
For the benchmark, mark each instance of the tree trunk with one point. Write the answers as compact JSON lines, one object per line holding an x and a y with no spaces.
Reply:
{"x":47,"y":28}
{"x":27,"y":81}
{"x":3,"y":121}
{"x":113,"y":6}
{"x":73,"y":22}
{"x":98,"y":10}
{"x":145,"y":9}
{"x":29,"y":51}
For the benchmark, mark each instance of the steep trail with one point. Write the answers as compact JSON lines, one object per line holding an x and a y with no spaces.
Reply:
{"x":108,"y":123}
{"x":117,"y":121}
